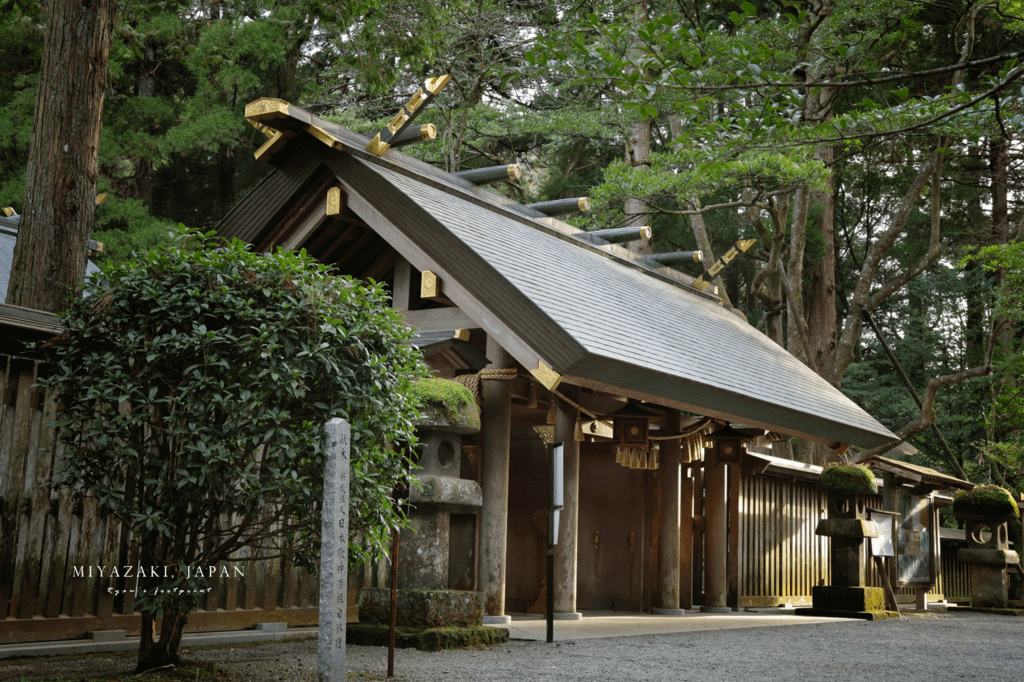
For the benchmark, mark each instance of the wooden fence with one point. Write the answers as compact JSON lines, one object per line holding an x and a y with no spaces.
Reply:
{"x":52,"y":548}
{"x":781,"y":559}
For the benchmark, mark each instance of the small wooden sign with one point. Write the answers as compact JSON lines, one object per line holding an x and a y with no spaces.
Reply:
{"x":886,"y":522}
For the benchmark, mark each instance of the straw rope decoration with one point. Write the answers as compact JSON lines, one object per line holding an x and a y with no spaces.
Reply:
{"x":633,"y":457}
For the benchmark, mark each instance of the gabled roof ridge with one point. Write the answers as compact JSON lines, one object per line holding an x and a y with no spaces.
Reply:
{"x":268,"y":112}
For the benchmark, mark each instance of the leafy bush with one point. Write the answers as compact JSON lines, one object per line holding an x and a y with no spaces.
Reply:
{"x":985,"y":500}
{"x":195,"y":380}
{"x":849,"y":479}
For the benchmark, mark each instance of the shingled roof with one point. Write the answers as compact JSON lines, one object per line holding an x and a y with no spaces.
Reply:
{"x":595,"y":314}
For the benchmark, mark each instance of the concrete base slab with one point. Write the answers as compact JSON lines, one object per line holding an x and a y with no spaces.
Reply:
{"x":716,"y":609}
{"x":497,"y":620}
{"x":272,"y":627}
{"x":668,"y":612}
{"x":107,"y":635}
{"x":77,"y":647}
{"x":567,"y":616}
{"x":596,"y":624}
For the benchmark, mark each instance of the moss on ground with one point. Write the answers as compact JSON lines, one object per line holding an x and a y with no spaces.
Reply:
{"x":985,"y":500}
{"x":850,"y":479}
{"x":426,"y":639}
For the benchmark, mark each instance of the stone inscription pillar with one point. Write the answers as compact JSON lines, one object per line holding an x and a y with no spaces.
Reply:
{"x":334,"y":554}
{"x":668,"y":530}
{"x":496,"y":423}
{"x":565,"y":550}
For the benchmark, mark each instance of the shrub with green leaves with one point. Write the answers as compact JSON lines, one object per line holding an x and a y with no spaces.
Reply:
{"x":195,"y":381}
{"x":849,"y":479}
{"x":985,"y":500}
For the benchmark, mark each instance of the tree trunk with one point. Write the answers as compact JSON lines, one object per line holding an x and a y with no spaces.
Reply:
{"x":60,"y":183}
{"x":638,"y":152}
{"x":167,"y":649}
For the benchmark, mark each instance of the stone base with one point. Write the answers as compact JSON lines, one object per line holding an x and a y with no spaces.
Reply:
{"x":426,"y":639}
{"x":863,"y":615}
{"x":565,"y":616}
{"x":843,"y":598}
{"x":716,"y":609}
{"x":1018,"y":612}
{"x":422,"y":608}
{"x":497,"y":620}
{"x":668,"y":612}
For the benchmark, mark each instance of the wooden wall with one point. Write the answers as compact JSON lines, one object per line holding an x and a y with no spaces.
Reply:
{"x":781,"y":558}
{"x":44,"y":535}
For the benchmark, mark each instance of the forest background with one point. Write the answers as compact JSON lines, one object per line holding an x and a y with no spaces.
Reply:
{"x":873,"y":148}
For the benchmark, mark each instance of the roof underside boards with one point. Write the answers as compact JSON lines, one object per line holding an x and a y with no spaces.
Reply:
{"x":589,"y":316}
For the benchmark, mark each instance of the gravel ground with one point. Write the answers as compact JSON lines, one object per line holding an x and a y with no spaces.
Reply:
{"x":930,"y":648}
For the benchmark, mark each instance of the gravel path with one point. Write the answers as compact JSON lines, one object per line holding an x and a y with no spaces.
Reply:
{"x":932,"y":648}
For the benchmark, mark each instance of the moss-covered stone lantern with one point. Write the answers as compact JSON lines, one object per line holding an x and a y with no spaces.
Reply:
{"x":449,"y":411}
{"x":986,"y":509}
{"x":847,"y":526}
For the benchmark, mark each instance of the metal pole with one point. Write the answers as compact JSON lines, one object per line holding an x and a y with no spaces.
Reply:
{"x":556,"y":473}
{"x":394,"y":603}
{"x":551,"y":579}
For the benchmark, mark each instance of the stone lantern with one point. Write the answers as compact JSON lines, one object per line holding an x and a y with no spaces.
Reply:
{"x":986,"y":510}
{"x":847,"y":526}
{"x":423,"y":562}
{"x":424,"y":599}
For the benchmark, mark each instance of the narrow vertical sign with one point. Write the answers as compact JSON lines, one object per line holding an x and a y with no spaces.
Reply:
{"x":334,"y":554}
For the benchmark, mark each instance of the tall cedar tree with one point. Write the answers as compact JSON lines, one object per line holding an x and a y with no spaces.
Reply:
{"x":60,"y":188}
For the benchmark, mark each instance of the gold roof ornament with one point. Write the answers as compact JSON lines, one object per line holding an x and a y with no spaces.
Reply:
{"x":394,"y":129}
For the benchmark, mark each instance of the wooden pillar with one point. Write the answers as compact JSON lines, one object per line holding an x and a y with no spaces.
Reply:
{"x":733,"y":572}
{"x":686,"y":533}
{"x":496,"y":423}
{"x":715,"y":536}
{"x":668,"y":530}
{"x":400,"y":294}
{"x":566,"y":549}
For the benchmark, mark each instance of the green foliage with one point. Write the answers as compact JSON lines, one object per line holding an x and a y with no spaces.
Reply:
{"x":985,"y":500}
{"x":450,"y":396}
{"x":125,"y":226}
{"x":195,"y":381}
{"x":848,"y":479}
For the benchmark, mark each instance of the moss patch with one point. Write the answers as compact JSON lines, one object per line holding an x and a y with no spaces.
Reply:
{"x":449,"y":396}
{"x":429,"y":639}
{"x":985,"y":500}
{"x":851,"y":479}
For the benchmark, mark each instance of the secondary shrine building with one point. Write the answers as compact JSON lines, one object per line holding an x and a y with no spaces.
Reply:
{"x":654,"y":387}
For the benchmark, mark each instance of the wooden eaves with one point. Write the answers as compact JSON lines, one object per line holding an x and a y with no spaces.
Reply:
{"x":564,"y":307}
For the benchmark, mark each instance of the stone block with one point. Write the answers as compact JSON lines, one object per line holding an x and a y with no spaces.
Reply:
{"x":106,"y":635}
{"x":843,"y":598}
{"x":847,"y":528}
{"x":989,"y":557}
{"x":422,"y":608}
{"x":272,"y":627}
{"x":457,"y":494}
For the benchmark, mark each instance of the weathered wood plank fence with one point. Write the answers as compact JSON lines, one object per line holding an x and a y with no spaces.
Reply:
{"x":51,"y":547}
